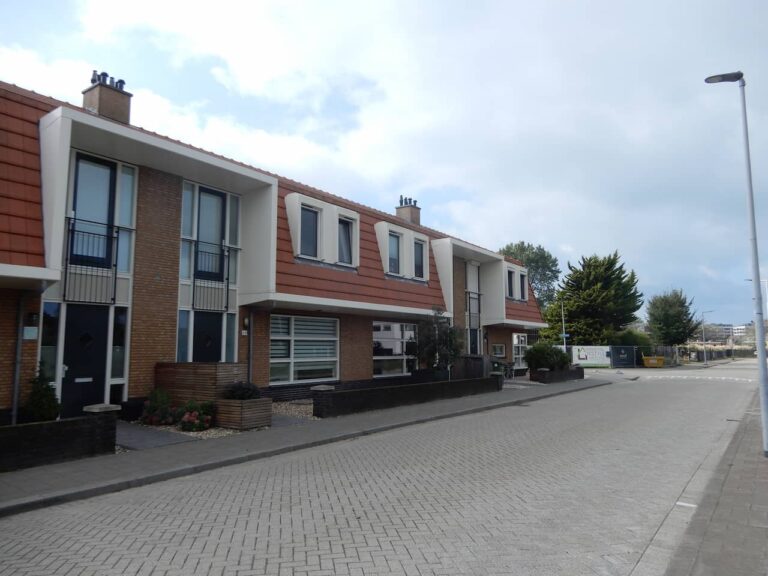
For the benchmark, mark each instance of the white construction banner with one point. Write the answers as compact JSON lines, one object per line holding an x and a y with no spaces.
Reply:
{"x":592,"y":356}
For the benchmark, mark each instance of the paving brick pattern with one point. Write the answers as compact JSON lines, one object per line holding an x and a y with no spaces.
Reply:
{"x":574,"y":485}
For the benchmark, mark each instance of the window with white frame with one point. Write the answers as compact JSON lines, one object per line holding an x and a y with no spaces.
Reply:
{"x":394,"y":253}
{"x":210,"y":234}
{"x":346,"y":229}
{"x":323,"y":231}
{"x":189,"y":336}
{"x":103,"y":204}
{"x":499,"y":350}
{"x":418,"y":259}
{"x":309,"y":231}
{"x":303,"y":349}
{"x":517,"y":283}
{"x":395,"y":346}
{"x":404,"y":252}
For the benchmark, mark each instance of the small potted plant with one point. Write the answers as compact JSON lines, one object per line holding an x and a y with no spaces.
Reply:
{"x":242,"y":407}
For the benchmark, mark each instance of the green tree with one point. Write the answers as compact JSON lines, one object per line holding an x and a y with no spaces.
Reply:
{"x":671,"y":319}
{"x":440,"y":344}
{"x":599,"y":298}
{"x":543,"y":268}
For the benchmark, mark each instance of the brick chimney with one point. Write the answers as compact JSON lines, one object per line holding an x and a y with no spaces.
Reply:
{"x":409,"y":211}
{"x":106,"y":97}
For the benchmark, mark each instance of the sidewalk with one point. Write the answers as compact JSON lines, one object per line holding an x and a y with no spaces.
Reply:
{"x":728,"y":534}
{"x":66,"y":481}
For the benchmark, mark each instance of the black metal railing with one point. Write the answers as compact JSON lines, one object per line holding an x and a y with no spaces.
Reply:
{"x":91,"y":260}
{"x":214,"y":270}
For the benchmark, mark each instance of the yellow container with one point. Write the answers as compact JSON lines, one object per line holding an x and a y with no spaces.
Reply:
{"x":653,"y":361}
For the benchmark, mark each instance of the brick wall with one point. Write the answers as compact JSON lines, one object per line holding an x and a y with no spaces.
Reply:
{"x":156,"y":277}
{"x":260,"y":366}
{"x":9,"y":302}
{"x":355,"y":347}
{"x":47,"y":442}
{"x":498,"y":335}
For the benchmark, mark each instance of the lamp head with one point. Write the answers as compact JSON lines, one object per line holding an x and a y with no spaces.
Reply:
{"x":728,"y":77}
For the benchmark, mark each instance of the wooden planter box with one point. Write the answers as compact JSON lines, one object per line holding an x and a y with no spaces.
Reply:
{"x":244,"y":414}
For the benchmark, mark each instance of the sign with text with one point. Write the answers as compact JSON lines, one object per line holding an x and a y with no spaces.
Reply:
{"x":592,"y":356}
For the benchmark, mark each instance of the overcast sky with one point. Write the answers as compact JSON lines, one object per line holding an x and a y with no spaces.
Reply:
{"x":583,"y":126}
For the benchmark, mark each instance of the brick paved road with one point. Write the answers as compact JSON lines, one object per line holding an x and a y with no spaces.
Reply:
{"x":572,"y":485}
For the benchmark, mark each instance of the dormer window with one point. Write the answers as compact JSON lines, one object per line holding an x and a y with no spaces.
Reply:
{"x":323,"y":231}
{"x":516,"y":282}
{"x":403,"y":251}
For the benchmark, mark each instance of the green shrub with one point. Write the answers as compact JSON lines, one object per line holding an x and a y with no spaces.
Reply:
{"x":158,"y":410}
{"x":631,"y":337}
{"x":544,"y":355}
{"x":197,"y":416}
{"x":240,"y":391}
{"x":42,"y":404}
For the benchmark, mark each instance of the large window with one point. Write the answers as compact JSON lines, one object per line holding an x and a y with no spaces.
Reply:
{"x":103,"y":207}
{"x":394,"y":348}
{"x":206,"y":337}
{"x":210,"y":229}
{"x":303,"y":349}
{"x":309,"y":230}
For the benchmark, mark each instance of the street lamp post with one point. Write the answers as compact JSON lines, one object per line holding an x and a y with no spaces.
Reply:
{"x":756,"y":284}
{"x":703,"y":335}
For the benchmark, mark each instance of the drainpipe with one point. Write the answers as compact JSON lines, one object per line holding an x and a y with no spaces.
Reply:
{"x":250,"y":345}
{"x":17,"y":363}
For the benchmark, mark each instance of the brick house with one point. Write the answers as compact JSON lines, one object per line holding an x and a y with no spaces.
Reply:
{"x":121,"y":249}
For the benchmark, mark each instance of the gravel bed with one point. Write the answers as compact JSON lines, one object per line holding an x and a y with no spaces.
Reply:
{"x":296,"y":408}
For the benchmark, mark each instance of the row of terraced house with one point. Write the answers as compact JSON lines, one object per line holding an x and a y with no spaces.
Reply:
{"x":121,"y":249}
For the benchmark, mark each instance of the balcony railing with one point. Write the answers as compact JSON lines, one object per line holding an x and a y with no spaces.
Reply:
{"x":94,"y":254}
{"x":214,"y":274}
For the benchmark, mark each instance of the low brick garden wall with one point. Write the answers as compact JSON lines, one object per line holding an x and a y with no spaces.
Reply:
{"x":329,"y":401}
{"x":550,"y":376}
{"x":38,"y":443}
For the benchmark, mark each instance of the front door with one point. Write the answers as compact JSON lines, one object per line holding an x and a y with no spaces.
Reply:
{"x":206,"y":342}
{"x":85,"y":358}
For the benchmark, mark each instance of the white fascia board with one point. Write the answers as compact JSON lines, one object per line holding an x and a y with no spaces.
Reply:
{"x":471,"y":252}
{"x":27,"y":277}
{"x":443,"y":251}
{"x":55,"y":136}
{"x":123,"y":142}
{"x":333,"y":304}
{"x":524,"y":323}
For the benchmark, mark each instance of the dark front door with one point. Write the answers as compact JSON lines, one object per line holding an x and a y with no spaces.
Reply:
{"x":206,"y":342}
{"x":85,"y":358}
